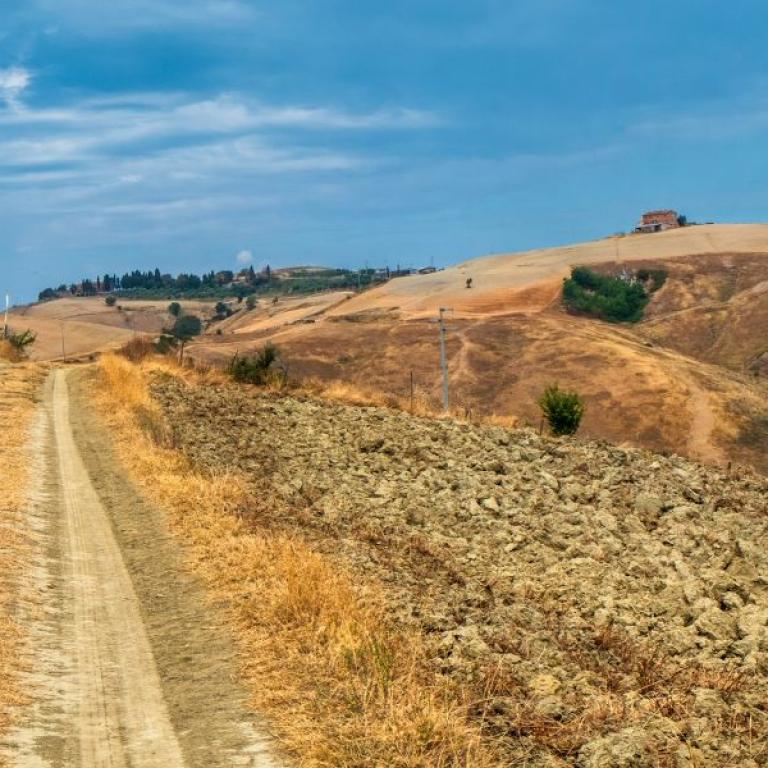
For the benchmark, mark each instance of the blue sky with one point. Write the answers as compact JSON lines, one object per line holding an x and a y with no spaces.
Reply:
{"x":183,"y":133}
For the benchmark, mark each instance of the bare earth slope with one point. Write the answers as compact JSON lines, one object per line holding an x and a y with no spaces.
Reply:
{"x":609,"y":606}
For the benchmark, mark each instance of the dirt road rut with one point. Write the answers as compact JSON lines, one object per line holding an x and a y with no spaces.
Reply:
{"x":122,"y":715}
{"x":132,"y":687}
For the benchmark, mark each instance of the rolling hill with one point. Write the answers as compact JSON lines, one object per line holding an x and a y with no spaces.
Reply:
{"x":689,"y":379}
{"x":682,"y":381}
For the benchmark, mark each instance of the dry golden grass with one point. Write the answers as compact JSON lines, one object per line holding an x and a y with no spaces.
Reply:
{"x":349,"y":393}
{"x":19,"y":387}
{"x":338,"y":683}
{"x":9,"y":353}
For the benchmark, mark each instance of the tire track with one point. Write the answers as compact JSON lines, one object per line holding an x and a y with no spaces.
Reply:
{"x":122,"y":716}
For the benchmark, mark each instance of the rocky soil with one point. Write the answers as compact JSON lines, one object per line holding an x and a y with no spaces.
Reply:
{"x":609,"y":608}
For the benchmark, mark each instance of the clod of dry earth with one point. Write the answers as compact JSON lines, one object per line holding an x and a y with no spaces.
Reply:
{"x":114,"y":680}
{"x":610,"y":607}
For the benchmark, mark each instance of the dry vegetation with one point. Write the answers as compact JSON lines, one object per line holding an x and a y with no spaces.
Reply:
{"x":338,"y":683}
{"x":19,"y":394}
{"x":420,"y":404}
{"x":559,"y":603}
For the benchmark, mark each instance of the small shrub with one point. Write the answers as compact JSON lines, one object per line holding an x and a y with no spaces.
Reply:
{"x":222,"y":310}
{"x":19,"y":342}
{"x":174,"y":309}
{"x":251,"y":302}
{"x":255,"y":369}
{"x":166,"y":343}
{"x":563,"y":410}
{"x":110,"y":300}
{"x":137,"y":349}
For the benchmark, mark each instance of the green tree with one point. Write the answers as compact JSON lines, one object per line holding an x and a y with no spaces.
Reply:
{"x":47,"y":295}
{"x":184,"y":330}
{"x":563,"y":410}
{"x":110,"y":300}
{"x":174,"y":309}
{"x":222,"y":309}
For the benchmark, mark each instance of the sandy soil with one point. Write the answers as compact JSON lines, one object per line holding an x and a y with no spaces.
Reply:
{"x":128,"y":668}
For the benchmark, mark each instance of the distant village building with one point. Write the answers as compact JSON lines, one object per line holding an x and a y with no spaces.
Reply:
{"x":658,"y":221}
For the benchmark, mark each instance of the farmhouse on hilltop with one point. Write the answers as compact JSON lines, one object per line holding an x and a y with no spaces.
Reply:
{"x":658,"y":221}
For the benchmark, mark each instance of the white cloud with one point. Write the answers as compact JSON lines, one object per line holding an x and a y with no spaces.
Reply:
{"x":13,"y":82}
{"x":245,"y":258}
{"x":152,"y":114}
{"x":143,"y":136}
{"x":150,"y":165}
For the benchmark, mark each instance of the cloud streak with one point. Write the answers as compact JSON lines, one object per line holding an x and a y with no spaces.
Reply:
{"x":13,"y":82}
{"x":152,"y":128}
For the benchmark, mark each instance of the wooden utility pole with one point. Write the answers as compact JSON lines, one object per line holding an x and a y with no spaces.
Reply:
{"x":5,"y":321}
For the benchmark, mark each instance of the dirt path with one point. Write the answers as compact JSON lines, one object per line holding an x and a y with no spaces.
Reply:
{"x":122,"y":715}
{"x":145,"y":686}
{"x":701,"y":443}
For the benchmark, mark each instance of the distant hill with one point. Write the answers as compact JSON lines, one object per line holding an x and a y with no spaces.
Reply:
{"x":689,"y":378}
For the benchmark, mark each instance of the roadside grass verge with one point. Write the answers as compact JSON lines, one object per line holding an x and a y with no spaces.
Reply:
{"x":19,"y":388}
{"x":338,"y":683}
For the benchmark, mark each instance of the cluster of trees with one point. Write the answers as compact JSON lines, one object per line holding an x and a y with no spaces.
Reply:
{"x":615,"y":299}
{"x":153,"y":282}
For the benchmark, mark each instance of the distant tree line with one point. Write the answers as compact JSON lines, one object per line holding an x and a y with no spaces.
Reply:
{"x":218,"y":285}
{"x":137,"y":282}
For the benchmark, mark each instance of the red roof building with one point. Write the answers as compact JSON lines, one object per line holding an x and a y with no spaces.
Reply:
{"x":658,"y":221}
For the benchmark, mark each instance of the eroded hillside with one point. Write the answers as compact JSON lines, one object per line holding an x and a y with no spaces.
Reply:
{"x":608,"y":607}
